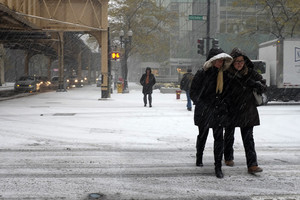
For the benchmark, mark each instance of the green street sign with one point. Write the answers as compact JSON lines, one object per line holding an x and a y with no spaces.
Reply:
{"x":197,"y":17}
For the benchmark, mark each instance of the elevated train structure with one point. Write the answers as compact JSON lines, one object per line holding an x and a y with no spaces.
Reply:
{"x":53,"y":28}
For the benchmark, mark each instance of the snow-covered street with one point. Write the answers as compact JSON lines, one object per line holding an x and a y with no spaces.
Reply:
{"x":66,"y":145}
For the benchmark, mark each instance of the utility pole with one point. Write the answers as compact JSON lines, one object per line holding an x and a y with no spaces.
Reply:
{"x":207,"y":27}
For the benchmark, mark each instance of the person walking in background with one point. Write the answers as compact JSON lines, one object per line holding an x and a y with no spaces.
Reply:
{"x":209,"y":92}
{"x":147,"y":81}
{"x":243,"y":111}
{"x":185,"y":84}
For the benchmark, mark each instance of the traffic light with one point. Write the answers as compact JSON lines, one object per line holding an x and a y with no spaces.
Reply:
{"x":215,"y":43}
{"x":115,"y":55}
{"x":200,"y":46}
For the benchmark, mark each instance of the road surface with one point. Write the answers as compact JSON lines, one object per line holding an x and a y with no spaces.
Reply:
{"x":133,"y":163}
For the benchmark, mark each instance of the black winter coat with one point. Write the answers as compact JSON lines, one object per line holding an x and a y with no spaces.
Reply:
{"x":243,"y":111}
{"x":147,"y":88}
{"x":211,"y":109}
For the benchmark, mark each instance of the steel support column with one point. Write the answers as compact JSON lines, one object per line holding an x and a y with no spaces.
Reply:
{"x":79,"y":66}
{"x":61,"y":84}
{"x":105,"y":91}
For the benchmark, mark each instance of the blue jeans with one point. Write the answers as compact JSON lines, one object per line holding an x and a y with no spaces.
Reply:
{"x":189,"y":102}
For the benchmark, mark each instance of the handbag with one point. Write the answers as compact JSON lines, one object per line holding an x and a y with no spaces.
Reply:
{"x":258,"y":98}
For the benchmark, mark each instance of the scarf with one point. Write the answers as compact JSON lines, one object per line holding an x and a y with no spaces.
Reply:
{"x":219,"y":87}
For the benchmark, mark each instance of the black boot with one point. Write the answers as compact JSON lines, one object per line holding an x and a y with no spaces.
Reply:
{"x":218,"y":151}
{"x":199,"y":160}
{"x":150,"y":100}
{"x":200,"y":145}
{"x":219,"y":173}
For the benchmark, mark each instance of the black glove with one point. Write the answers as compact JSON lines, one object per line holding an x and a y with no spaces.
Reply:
{"x":263,"y":81}
{"x":250,"y":83}
{"x":260,"y":87}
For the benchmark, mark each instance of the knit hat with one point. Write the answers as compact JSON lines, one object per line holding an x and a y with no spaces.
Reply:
{"x":148,"y":68}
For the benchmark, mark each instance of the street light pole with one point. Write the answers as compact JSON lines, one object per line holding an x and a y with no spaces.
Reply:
{"x":208,"y":28}
{"x":127,"y":45}
{"x":125,"y":70}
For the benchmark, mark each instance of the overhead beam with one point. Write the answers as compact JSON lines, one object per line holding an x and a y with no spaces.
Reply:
{"x":62,"y":22}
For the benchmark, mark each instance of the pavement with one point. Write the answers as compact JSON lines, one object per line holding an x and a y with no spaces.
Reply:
{"x":119,"y":150}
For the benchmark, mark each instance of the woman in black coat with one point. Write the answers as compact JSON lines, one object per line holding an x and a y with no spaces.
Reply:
{"x":209,"y":93}
{"x":147,"y":81}
{"x":243,"y":111}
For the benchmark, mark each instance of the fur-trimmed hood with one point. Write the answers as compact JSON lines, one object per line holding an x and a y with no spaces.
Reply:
{"x":215,"y":54}
{"x":236,"y":52}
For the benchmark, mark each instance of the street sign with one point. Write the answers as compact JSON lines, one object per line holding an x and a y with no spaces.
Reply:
{"x":197,"y":17}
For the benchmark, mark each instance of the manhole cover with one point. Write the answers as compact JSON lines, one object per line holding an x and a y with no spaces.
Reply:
{"x":39,"y":106}
{"x":96,"y":196}
{"x":104,"y":99}
{"x":277,"y":197}
{"x":173,"y":139}
{"x":64,"y":114}
{"x":53,"y":102}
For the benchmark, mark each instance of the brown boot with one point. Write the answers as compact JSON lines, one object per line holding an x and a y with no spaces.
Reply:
{"x":254,"y":169}
{"x":229,"y":163}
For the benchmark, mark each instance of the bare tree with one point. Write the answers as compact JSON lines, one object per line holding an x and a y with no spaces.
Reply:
{"x":150,"y":23}
{"x":277,"y":17}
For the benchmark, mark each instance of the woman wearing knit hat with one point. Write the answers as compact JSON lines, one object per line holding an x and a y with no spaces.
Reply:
{"x":243,"y":111}
{"x":209,"y":92}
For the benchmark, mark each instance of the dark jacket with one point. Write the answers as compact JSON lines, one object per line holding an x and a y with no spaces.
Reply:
{"x":186,"y":81}
{"x":243,"y":111}
{"x":147,"y":88}
{"x":211,"y":108}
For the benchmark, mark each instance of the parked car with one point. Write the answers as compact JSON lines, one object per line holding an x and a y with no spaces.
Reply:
{"x":74,"y":81}
{"x":27,"y":84}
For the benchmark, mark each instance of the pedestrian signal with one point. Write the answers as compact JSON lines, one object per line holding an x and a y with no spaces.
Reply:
{"x":215,"y":43}
{"x":115,"y":55}
{"x":200,"y":46}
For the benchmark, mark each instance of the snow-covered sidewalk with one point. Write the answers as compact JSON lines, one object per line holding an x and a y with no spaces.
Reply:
{"x":80,"y":117}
